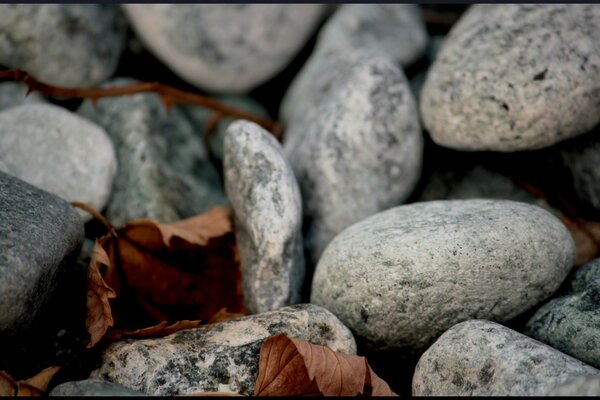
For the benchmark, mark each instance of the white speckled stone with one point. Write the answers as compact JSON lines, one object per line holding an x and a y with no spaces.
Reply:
{"x":58,"y":151}
{"x":483,"y":358}
{"x":92,"y":387}
{"x":225,"y":47}
{"x":267,"y":206}
{"x":220,"y":357}
{"x":358,"y":152}
{"x":400,"y":278}
{"x":62,"y":44}
{"x":515,"y":77}
{"x":581,"y":386}
{"x":15,"y":94}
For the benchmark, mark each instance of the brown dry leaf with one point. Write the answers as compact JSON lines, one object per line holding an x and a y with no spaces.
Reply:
{"x":159,"y":330}
{"x":292,"y":367}
{"x":35,"y":386}
{"x":586,"y":235}
{"x":8,"y":387}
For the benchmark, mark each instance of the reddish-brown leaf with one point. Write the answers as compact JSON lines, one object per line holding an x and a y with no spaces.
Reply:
{"x":8,"y":387}
{"x":34,"y":386}
{"x":586,"y":235}
{"x":292,"y":367}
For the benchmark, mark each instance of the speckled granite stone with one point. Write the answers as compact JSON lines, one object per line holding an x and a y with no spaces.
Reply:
{"x":582,"y":386}
{"x":483,"y":358}
{"x":92,"y":387}
{"x":400,"y":278}
{"x":62,"y":44}
{"x":515,"y":77}
{"x":220,"y":357}
{"x":225,"y":47}
{"x":267,"y":207}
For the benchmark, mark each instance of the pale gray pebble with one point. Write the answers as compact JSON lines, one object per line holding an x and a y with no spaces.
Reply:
{"x":40,"y":238}
{"x":571,"y":323}
{"x":62,"y":44}
{"x":221,"y":357}
{"x":358,"y":152}
{"x":400,"y":278}
{"x":267,"y":207}
{"x":58,"y":151}
{"x":92,"y":387}
{"x":581,"y":386}
{"x":515,"y":77}
{"x":163,"y":170}
{"x":15,"y":94}
{"x":225,"y":47}
{"x":483,"y":358}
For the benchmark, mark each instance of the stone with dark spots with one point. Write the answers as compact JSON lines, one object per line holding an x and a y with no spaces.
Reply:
{"x":267,"y":207}
{"x":358,"y":152}
{"x":515,"y":77}
{"x":222,"y":357}
{"x":62,"y":44}
{"x":164,"y":173}
{"x":225,"y":47}
{"x":40,"y":238}
{"x":483,"y":358}
{"x":92,"y":387}
{"x":571,"y":323}
{"x":581,"y":386}
{"x":418,"y":269}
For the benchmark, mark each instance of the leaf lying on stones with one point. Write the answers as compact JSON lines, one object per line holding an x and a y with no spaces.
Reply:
{"x":586,"y":235}
{"x":292,"y":367}
{"x":35,"y":386}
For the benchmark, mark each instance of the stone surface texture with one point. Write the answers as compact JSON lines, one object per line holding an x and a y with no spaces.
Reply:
{"x":15,"y":93}
{"x":92,"y":387}
{"x":582,"y":386}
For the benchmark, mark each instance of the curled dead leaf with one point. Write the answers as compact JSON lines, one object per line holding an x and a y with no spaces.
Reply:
{"x":292,"y":367}
{"x":34,"y":386}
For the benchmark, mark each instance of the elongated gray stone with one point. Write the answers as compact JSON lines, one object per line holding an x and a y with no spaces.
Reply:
{"x":483,"y":358}
{"x":219,"y":357}
{"x":58,"y":151}
{"x":268,"y":212}
{"x":358,"y":152}
{"x":400,"y":278}
{"x":92,"y":387}
{"x":40,"y":238}
{"x":515,"y":77}
{"x":62,"y":44}
{"x":582,"y":386}
{"x":225,"y":47}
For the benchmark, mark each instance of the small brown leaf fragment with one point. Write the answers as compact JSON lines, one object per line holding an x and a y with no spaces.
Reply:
{"x":160,"y":330}
{"x":292,"y":367}
{"x":34,"y":386}
{"x":8,"y":386}
{"x":586,"y":235}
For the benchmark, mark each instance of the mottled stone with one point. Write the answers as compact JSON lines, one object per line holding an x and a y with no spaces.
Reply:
{"x":58,"y":151}
{"x":62,"y":44}
{"x":225,"y":47}
{"x":571,"y":323}
{"x":515,"y":77}
{"x":163,"y":170}
{"x":220,"y":357}
{"x":358,"y":152}
{"x":400,"y":278}
{"x":581,"y":386}
{"x":15,"y":93}
{"x":267,"y":207}
{"x":92,"y":387}
{"x":483,"y":358}
{"x":40,"y":238}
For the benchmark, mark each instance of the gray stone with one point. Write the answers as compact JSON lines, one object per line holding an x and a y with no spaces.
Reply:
{"x":394,"y":31}
{"x":225,"y":47}
{"x":92,"y":387}
{"x":515,"y":77}
{"x":400,"y":278}
{"x":58,"y":151}
{"x":62,"y":44}
{"x":221,"y":357}
{"x":163,"y":170}
{"x":483,"y":358}
{"x":582,"y":386}
{"x":268,"y":217}
{"x":585,"y":276}
{"x":358,"y":152}
{"x":15,"y":93}
{"x":571,"y":323}
{"x":40,"y":238}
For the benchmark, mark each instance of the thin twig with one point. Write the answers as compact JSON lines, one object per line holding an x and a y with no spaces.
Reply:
{"x":94,"y":213}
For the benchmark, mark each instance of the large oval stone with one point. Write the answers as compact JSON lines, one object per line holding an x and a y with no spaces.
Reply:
{"x":400,"y":278}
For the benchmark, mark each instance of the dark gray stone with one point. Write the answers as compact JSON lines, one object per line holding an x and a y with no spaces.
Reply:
{"x":225,"y":47}
{"x":483,"y":358}
{"x":220,"y":357}
{"x":92,"y":387}
{"x":268,"y":212}
{"x":163,"y":170}
{"x":582,"y":386}
{"x":15,"y":93}
{"x":400,"y":278}
{"x":571,"y":323}
{"x":515,"y":77}
{"x":40,"y":238}
{"x":62,"y":44}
